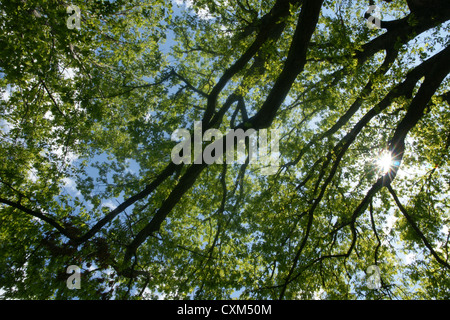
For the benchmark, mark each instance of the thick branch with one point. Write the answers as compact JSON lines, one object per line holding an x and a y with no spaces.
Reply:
{"x":294,"y":64}
{"x":296,"y":59}
{"x":169,"y":170}
{"x":185,"y":183}
{"x":273,"y":22}
{"x":403,"y":31}
{"x":38,"y":215}
{"x":435,"y":69}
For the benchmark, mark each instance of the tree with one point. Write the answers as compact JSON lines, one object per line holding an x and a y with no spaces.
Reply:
{"x":87,"y":179}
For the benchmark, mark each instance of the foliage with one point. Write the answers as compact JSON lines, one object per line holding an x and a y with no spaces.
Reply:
{"x":86,"y":176}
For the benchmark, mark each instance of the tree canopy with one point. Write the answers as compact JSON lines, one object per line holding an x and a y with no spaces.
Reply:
{"x":361,"y":102}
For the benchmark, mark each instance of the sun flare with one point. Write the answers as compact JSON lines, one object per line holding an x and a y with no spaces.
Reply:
{"x":385,"y":162}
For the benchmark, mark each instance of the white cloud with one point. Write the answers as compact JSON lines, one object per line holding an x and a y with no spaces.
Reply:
{"x":6,"y":92}
{"x":201,"y":13}
{"x":5,"y":126}
{"x":109,"y":204}
{"x":187,"y":3}
{"x":204,"y":14}
{"x":390,"y":221}
{"x":68,"y":73}
{"x":69,"y":156}
{"x":225,"y":31}
{"x":32,"y":174}
{"x":49,"y":115}
{"x":319,"y":295}
{"x":410,"y":258}
{"x":71,"y":186}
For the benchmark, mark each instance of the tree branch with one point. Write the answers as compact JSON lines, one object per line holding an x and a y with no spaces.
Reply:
{"x":416,"y":228}
{"x":294,"y":64}
{"x":274,"y":22}
{"x":38,"y":215}
{"x":188,"y":84}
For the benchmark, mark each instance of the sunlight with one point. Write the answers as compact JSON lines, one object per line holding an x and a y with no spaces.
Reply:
{"x":385,"y":162}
